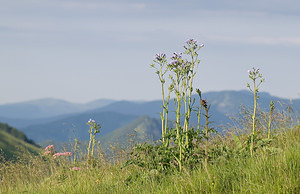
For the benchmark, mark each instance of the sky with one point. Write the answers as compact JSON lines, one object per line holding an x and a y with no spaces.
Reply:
{"x":84,"y":50}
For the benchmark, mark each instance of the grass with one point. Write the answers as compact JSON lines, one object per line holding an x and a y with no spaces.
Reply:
{"x":12,"y":147}
{"x":275,"y":169}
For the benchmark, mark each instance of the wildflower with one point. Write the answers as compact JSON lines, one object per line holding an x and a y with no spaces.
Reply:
{"x":91,"y":121}
{"x":185,"y":64}
{"x":62,"y":154}
{"x":76,"y":168}
{"x":176,"y":55}
{"x":191,"y":41}
{"x":201,"y":45}
{"x":160,"y":56}
{"x":174,"y":62}
{"x":254,"y":71}
{"x":50,"y":147}
{"x":48,"y":152}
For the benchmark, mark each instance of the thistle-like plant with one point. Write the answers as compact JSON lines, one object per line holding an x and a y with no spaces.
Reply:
{"x":94,"y":129}
{"x":160,"y":64}
{"x":181,"y":74}
{"x":257,"y":79}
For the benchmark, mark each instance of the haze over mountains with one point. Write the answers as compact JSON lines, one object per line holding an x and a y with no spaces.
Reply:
{"x":61,"y":121}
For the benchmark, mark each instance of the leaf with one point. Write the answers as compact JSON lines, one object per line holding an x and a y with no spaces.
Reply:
{"x":237,"y":141}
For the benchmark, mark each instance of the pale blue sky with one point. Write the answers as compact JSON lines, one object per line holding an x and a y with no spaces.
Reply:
{"x":85,"y":50}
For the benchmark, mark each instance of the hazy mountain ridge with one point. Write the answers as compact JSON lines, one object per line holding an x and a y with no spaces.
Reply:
{"x":24,"y":114}
{"x":69,"y":128}
{"x":119,"y":114}
{"x":47,"y":107}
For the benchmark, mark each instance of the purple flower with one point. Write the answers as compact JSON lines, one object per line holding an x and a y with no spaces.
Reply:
{"x":254,"y":71}
{"x":176,"y":55}
{"x":160,"y":56}
{"x":174,"y":62}
{"x":201,"y":45}
{"x":191,"y":41}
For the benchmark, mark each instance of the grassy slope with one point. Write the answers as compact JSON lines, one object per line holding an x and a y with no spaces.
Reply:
{"x":11,"y":146}
{"x":264,"y":173}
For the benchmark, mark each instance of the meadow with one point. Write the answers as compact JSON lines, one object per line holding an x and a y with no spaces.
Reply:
{"x":272,"y":169}
{"x":259,"y":153}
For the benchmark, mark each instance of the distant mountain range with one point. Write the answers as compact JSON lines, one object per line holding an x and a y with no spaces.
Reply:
{"x":61,"y":121}
{"x":48,"y":107}
{"x":44,"y":110}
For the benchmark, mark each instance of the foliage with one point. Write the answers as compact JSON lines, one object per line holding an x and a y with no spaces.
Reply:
{"x":13,"y":142}
{"x":177,"y":146}
{"x":14,"y":132}
{"x":270,"y":170}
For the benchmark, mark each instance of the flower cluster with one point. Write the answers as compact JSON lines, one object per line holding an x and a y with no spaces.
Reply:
{"x":253,"y":71}
{"x":255,"y":74}
{"x":91,"y":121}
{"x":62,"y":154}
{"x":50,"y":147}
{"x":176,"y":56}
{"x":192,"y":46}
{"x":160,"y":56}
{"x":76,"y":168}
{"x":191,"y":41}
{"x":49,"y":150}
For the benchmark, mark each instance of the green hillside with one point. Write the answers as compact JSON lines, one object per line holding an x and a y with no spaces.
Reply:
{"x":13,"y":143}
{"x":142,"y":129}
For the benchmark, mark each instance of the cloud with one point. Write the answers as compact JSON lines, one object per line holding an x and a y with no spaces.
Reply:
{"x":271,"y":41}
{"x":102,"y":6}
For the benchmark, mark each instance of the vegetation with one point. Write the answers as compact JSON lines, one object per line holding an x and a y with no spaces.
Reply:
{"x":260,"y":154}
{"x":272,"y":169}
{"x":13,"y":142}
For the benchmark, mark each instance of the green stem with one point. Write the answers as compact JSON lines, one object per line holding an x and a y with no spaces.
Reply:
{"x":206,"y":134}
{"x":90,"y":141}
{"x":253,"y":118}
{"x":75,"y":150}
{"x":270,"y":119}
{"x":164,"y":105}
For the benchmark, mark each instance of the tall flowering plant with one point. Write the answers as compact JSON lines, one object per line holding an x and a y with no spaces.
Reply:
{"x":181,"y":70}
{"x":257,"y":79}
{"x":94,"y":129}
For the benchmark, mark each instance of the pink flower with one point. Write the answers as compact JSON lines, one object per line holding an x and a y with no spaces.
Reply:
{"x":62,"y":154}
{"x":48,"y":152}
{"x":50,"y":147}
{"x":76,"y":168}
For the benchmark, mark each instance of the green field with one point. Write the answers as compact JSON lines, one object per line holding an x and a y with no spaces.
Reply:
{"x":273,"y":169}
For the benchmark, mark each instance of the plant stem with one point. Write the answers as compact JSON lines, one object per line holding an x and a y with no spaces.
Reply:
{"x":253,"y":118}
{"x":270,"y":118}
